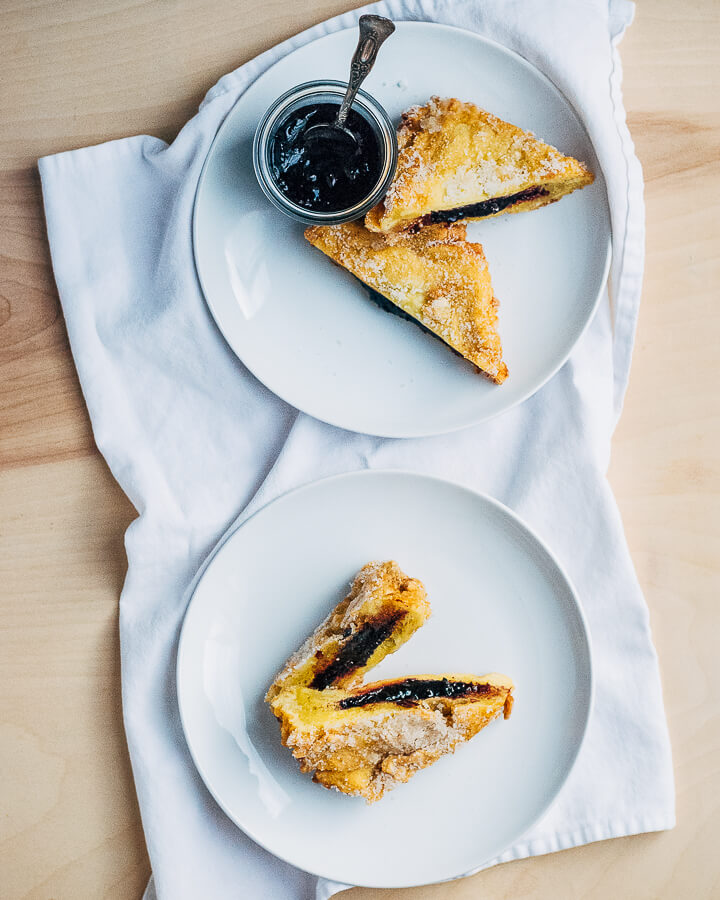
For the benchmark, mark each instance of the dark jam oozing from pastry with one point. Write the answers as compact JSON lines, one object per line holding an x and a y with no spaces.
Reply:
{"x":321,"y":175}
{"x":356,"y":651}
{"x":411,"y":690}
{"x":486,"y":208}
{"x":388,"y":306}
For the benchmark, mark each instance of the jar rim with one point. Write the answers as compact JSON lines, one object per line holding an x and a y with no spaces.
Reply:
{"x":365,"y":104}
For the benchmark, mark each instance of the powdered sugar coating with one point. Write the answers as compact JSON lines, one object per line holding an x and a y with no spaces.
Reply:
{"x":434,"y":275}
{"x":377,"y":586}
{"x":454,"y":154}
{"x":370,"y":750}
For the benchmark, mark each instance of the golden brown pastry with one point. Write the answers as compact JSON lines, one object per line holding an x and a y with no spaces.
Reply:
{"x":457,"y":161}
{"x":365,"y":740}
{"x":434,"y":275}
{"x":383,"y":608}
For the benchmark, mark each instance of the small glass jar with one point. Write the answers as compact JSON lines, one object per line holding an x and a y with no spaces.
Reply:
{"x":323,"y":92}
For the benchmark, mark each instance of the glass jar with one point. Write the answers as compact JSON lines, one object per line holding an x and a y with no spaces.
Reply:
{"x":323,"y":92}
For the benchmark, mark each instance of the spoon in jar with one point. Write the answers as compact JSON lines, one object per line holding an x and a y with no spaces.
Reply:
{"x":374,"y":30}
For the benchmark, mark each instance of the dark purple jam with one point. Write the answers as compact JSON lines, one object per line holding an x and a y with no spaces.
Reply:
{"x":389,"y":307}
{"x":324,"y":175}
{"x":356,"y":651}
{"x":411,"y":690}
{"x":486,"y":208}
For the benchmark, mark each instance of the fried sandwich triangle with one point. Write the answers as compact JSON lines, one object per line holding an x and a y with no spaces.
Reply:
{"x":434,"y":275}
{"x":364,"y":740}
{"x":457,"y":161}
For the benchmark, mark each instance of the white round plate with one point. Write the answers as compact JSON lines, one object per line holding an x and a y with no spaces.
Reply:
{"x":500,"y":602}
{"x":306,"y":328}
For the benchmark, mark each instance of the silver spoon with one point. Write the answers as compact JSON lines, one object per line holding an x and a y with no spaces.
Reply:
{"x":374,"y":30}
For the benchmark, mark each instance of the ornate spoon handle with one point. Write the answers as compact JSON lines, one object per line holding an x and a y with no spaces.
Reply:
{"x":373,"y":31}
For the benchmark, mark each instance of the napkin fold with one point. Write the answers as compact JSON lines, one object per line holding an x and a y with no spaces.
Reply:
{"x":194,"y":440}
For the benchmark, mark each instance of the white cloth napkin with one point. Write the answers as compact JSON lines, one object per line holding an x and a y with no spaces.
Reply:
{"x":195,"y":441}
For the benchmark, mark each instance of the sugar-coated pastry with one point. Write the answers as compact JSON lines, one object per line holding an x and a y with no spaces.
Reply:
{"x":364,"y":740}
{"x":434,"y":275}
{"x":457,"y":161}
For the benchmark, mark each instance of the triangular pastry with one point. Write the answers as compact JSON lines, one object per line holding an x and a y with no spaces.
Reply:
{"x":457,"y":161}
{"x":433,"y":275}
{"x":382,"y":609}
{"x":367,"y":739}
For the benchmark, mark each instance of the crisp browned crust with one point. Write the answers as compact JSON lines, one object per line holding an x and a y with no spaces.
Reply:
{"x":368,"y":750}
{"x":453,"y":154}
{"x":363,"y":740}
{"x":433,"y":274}
{"x":383,"y":601}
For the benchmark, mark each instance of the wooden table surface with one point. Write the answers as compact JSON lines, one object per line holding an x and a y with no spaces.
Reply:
{"x":83,"y":71}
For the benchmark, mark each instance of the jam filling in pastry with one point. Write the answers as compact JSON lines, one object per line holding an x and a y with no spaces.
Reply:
{"x":432,"y":274}
{"x":364,"y":740}
{"x":383,"y":608}
{"x":457,"y":161}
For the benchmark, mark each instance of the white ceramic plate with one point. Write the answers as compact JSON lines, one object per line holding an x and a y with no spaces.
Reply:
{"x":500,"y":602}
{"x":305,"y":327}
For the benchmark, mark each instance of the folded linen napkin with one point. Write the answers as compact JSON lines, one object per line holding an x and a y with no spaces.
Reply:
{"x":195,"y":441}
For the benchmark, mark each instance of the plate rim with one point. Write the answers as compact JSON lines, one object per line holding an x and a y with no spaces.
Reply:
{"x":407,"y":433}
{"x":403,"y":473}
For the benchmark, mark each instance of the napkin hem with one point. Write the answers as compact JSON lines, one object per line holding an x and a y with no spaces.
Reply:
{"x":631,"y":258}
{"x":589,"y":833}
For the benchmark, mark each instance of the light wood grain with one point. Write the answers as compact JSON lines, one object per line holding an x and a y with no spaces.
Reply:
{"x":80,"y":72}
